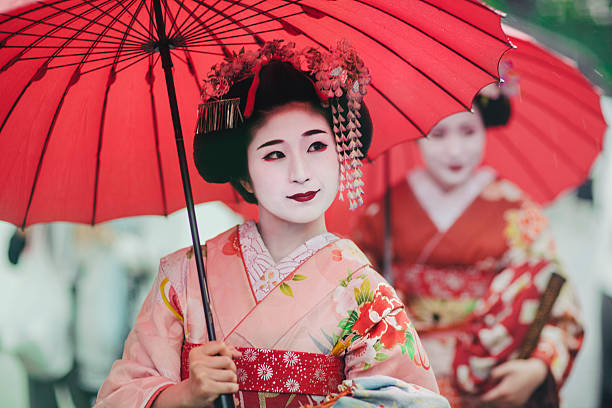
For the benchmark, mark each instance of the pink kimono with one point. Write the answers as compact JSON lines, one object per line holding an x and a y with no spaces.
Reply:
{"x":470,"y":266}
{"x":304,"y":324}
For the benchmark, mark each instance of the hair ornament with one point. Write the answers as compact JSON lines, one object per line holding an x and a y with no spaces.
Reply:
{"x":336,"y":73}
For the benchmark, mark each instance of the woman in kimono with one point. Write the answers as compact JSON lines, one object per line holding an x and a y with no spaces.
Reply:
{"x":298,"y":310}
{"x":471,"y":256}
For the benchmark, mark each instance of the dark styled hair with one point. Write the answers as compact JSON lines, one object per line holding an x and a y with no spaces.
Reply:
{"x":221,"y":156}
{"x":494,"y":112}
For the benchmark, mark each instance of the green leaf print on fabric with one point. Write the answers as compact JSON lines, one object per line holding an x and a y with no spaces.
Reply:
{"x":381,"y":357}
{"x":347,"y":324}
{"x":408,"y":346}
{"x":344,"y":282}
{"x":364,"y":294}
{"x":286,"y":289}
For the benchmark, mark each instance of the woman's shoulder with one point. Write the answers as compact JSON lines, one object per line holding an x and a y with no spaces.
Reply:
{"x":346,"y":250}
{"x":502,"y":189}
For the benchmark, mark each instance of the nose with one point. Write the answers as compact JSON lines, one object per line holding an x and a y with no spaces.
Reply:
{"x":455,"y":146}
{"x":298,"y":172}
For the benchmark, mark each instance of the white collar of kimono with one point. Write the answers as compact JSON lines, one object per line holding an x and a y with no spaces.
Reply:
{"x":264,"y":274}
{"x":444,"y":208}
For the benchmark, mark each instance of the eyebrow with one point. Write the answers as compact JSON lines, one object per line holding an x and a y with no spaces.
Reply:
{"x":270,"y":143}
{"x":278,"y":141}
{"x":313,"y":132}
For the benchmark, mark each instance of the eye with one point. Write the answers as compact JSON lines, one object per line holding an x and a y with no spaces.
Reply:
{"x":437,"y":134}
{"x":317,"y":147}
{"x":275,"y":155}
{"x":469,"y":131}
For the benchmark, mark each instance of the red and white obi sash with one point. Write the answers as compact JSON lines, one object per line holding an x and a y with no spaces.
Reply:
{"x":281,"y":371}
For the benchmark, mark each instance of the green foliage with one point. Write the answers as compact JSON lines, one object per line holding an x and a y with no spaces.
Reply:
{"x":572,"y":20}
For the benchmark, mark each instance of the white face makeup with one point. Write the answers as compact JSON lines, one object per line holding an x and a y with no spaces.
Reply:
{"x":454,"y":148}
{"x":293,"y":164}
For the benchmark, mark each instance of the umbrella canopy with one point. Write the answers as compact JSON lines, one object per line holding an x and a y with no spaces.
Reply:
{"x":555,"y":131}
{"x":84,"y":120}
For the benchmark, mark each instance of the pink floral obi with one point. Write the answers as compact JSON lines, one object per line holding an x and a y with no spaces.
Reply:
{"x":281,"y":371}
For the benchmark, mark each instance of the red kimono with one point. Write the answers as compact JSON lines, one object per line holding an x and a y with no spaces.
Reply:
{"x":470,"y":265}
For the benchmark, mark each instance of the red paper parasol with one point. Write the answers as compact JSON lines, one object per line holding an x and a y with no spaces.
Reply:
{"x":554,"y":134}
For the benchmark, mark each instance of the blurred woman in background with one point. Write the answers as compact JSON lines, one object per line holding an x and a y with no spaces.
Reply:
{"x":471,"y":256}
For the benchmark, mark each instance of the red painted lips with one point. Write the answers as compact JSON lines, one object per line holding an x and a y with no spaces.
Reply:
{"x":307,"y":196}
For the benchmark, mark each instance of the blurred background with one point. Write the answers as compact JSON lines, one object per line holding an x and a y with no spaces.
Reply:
{"x":70,"y":292}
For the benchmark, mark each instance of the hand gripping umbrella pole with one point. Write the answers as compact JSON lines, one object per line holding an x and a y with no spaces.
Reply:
{"x":224,"y":400}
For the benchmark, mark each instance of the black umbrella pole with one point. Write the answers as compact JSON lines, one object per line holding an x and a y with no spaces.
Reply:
{"x":224,"y":400}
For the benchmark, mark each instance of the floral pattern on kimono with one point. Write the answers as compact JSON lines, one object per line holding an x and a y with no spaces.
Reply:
{"x":473,"y":287}
{"x":333,"y":303}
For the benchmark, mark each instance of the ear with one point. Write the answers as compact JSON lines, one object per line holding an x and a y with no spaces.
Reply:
{"x":247,"y":186}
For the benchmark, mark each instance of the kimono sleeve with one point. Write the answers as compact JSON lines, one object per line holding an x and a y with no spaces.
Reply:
{"x":503,"y":315}
{"x":379,"y":337}
{"x":151,"y":355}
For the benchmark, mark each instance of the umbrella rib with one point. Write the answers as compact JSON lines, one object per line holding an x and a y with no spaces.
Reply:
{"x":173,"y":20}
{"x":470,"y":24}
{"x":442,"y":88}
{"x":41,"y":71}
{"x":10,"y":111}
{"x":170,"y":16}
{"x":494,"y":76}
{"x":44,"y":150}
{"x":224,"y":48}
{"x":191,"y":28}
{"x":563,"y":118}
{"x":57,"y":37}
{"x":546,"y":61}
{"x":134,"y":18}
{"x":193,"y":21}
{"x":141,"y":38}
{"x":526,"y":163}
{"x":544,"y":136}
{"x":131,"y":63}
{"x":398,"y":109}
{"x":555,"y":87}
{"x":202,"y":36}
{"x":58,"y":26}
{"x":225,"y":17}
{"x":133,"y":54}
{"x":207,"y":52}
{"x":139,"y":52}
{"x":176,"y":19}
{"x":251,"y":33}
{"x":243,"y":26}
{"x":109,"y":82}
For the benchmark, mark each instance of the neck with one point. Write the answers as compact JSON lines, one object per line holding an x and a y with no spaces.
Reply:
{"x":445,"y":187}
{"x":282,"y":237}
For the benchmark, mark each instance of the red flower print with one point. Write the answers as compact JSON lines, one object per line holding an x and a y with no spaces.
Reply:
{"x":384,"y":318}
{"x":232,"y":246}
{"x":395,"y":333}
{"x":337,"y":255}
{"x":364,"y":321}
